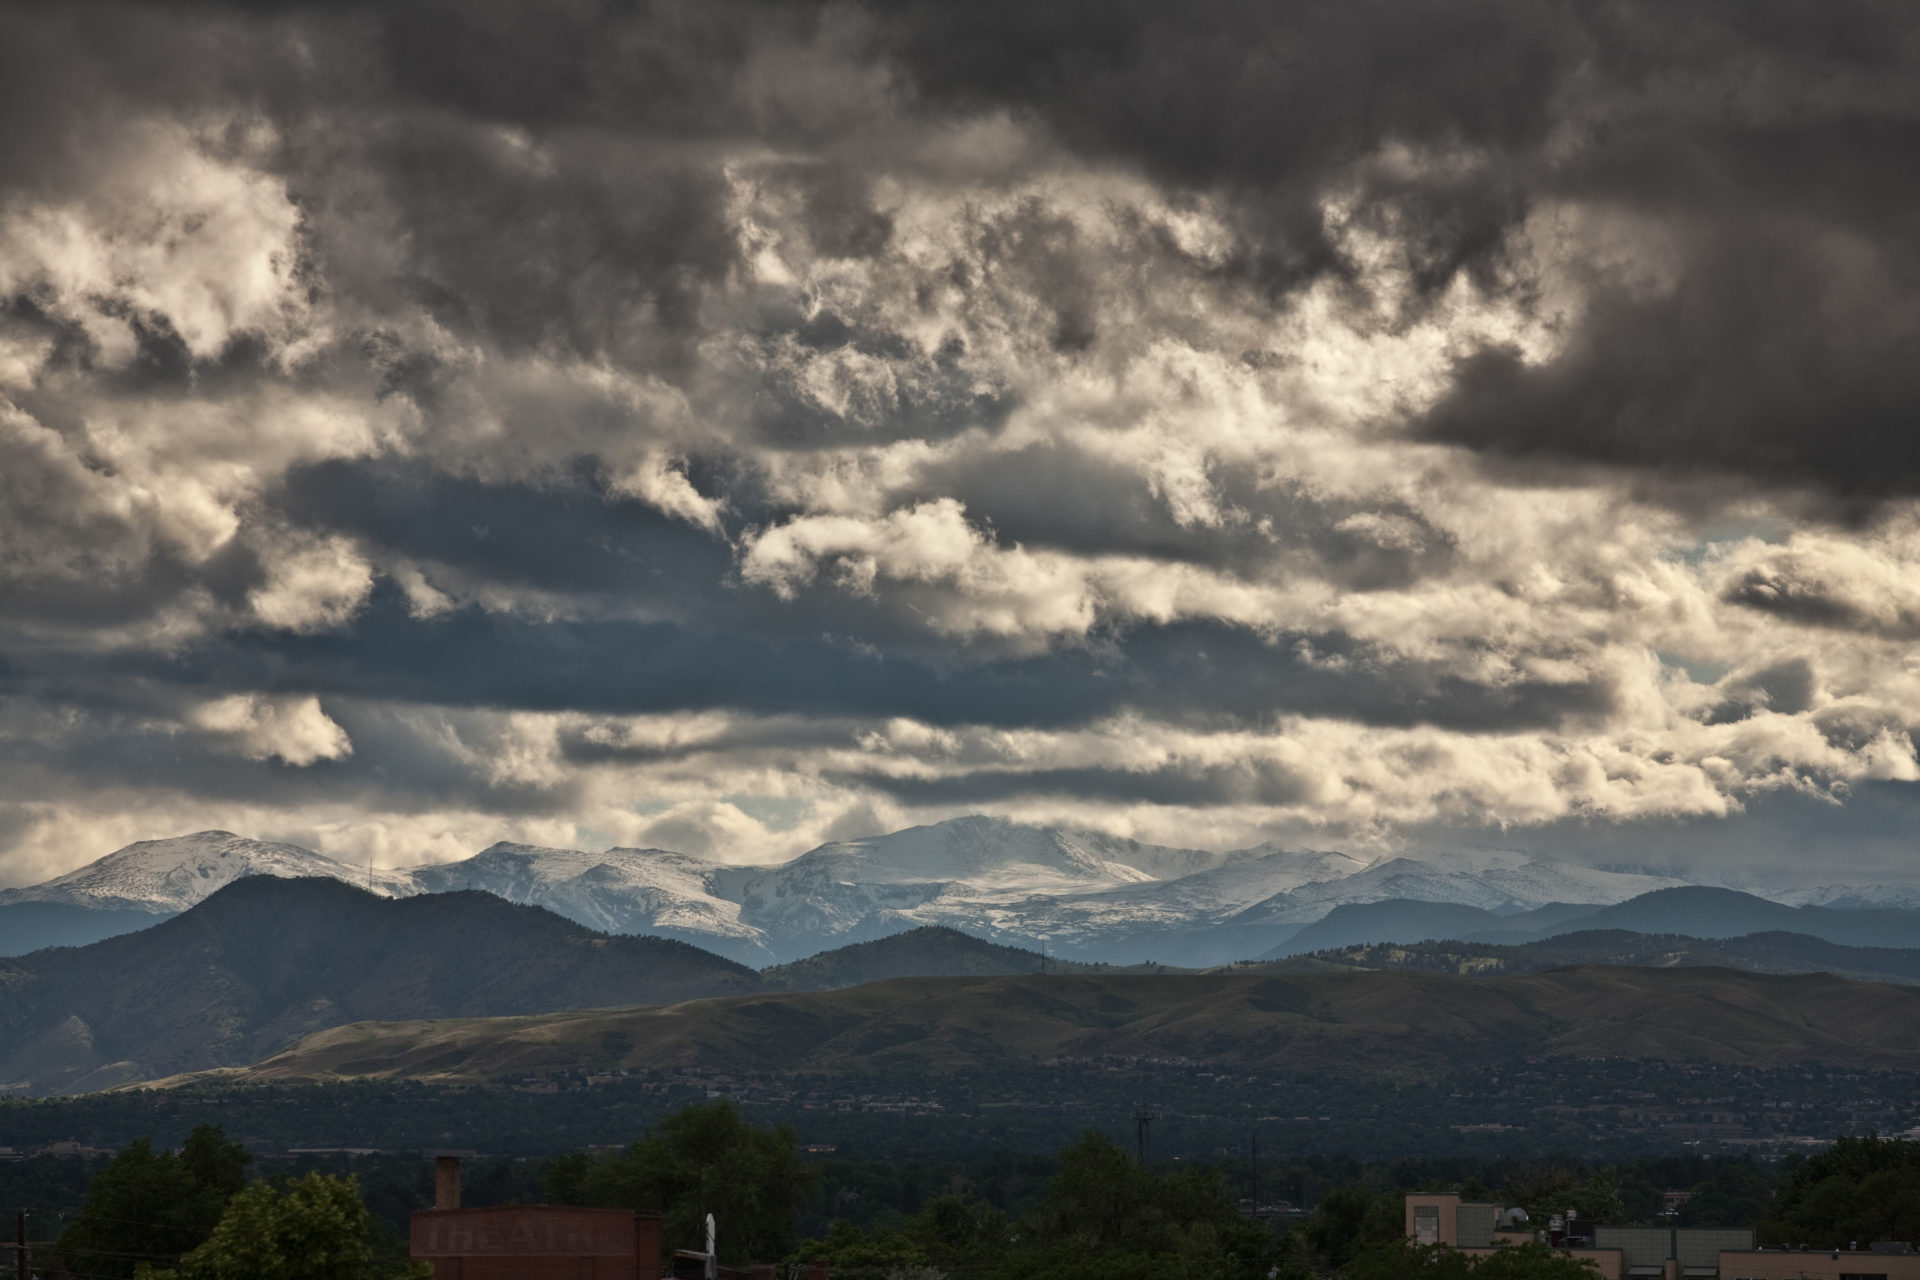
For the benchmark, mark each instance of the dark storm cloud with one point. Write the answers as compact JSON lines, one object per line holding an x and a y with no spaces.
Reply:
{"x":1257,"y":782}
{"x":571,"y":537}
{"x":1776,"y":352}
{"x":113,"y":741}
{"x":1203,"y":675}
{"x":1265,"y":101}
{"x":1822,"y":595}
{"x":567,"y":252}
{"x":1069,"y":496}
{"x":1783,"y":353}
{"x":934,"y":398}
{"x":1774,"y":142}
{"x":547,"y":316}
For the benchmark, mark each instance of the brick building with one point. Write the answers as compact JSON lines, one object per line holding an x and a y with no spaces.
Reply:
{"x":531,"y":1242}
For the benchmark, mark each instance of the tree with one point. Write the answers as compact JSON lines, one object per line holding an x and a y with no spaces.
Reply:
{"x":704,"y":1158}
{"x":1546,"y":1189}
{"x":1100,"y":1217}
{"x":1737,"y":1193}
{"x":147,"y":1207}
{"x":1863,"y":1189}
{"x":1350,"y":1221}
{"x":314,"y":1229}
{"x":1404,"y":1260}
{"x":1103,"y":1216}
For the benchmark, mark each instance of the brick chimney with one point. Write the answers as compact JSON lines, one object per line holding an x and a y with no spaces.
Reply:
{"x":446,"y":1182}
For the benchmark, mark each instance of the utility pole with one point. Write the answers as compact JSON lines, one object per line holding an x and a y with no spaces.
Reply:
{"x":21,"y":1259}
{"x":1143,"y":1116}
{"x":1255,"y":1138}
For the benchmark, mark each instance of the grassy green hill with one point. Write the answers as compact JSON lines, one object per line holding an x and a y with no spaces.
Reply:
{"x":1389,"y":1024}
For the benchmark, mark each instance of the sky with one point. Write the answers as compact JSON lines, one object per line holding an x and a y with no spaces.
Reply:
{"x":727,"y":427}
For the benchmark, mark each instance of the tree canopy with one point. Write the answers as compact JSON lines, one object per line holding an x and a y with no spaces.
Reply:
{"x":1100,"y":1216}
{"x":705,"y":1158}
{"x":1859,"y":1189}
{"x":313,"y":1229}
{"x":149,"y":1207}
{"x":1402,"y":1260}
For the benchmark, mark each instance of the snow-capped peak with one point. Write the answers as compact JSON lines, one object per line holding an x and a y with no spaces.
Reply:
{"x":618,"y":891}
{"x":989,"y":853}
{"x":165,"y":876}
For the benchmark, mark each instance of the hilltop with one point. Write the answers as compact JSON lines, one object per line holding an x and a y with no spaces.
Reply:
{"x":1391,"y":1024}
{"x":265,"y":960}
{"x":1693,"y":911}
{"x":927,"y":952}
{"x":1755,"y":953}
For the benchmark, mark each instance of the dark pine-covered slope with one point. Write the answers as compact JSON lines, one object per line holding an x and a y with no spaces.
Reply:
{"x":265,"y":961}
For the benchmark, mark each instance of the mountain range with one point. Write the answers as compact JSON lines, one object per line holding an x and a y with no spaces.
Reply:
{"x":1693,"y":911}
{"x":1073,"y":894}
{"x":266,"y":961}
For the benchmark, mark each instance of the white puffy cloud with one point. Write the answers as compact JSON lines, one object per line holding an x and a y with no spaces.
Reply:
{"x":294,"y":730}
{"x":312,"y":586}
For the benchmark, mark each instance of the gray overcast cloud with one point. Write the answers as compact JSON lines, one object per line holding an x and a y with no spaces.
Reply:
{"x":728,"y":426}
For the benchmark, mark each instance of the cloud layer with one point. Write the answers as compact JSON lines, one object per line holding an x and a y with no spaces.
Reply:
{"x":735,"y":425}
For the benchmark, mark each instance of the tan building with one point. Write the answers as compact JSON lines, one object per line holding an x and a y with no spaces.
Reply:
{"x":1656,"y":1253}
{"x":1475,"y":1228}
{"x":1823,"y":1264}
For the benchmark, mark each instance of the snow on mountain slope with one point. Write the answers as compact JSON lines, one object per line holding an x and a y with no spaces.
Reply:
{"x":1533,"y":881}
{"x":988,"y":853}
{"x":1158,"y":861}
{"x":166,"y":876}
{"x":1849,"y":897}
{"x":1249,"y":875}
{"x":963,"y":872}
{"x":619,"y":891}
{"x":1491,"y":879}
{"x":1094,"y":895}
{"x":1243,"y":878}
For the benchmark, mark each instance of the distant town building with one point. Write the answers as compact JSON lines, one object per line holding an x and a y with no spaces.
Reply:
{"x":1666,"y":1253}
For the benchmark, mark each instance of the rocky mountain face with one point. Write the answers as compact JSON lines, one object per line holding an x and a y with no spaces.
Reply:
{"x":1073,"y":894}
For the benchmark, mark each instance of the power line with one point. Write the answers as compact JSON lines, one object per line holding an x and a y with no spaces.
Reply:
{"x":1143,"y":1116}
